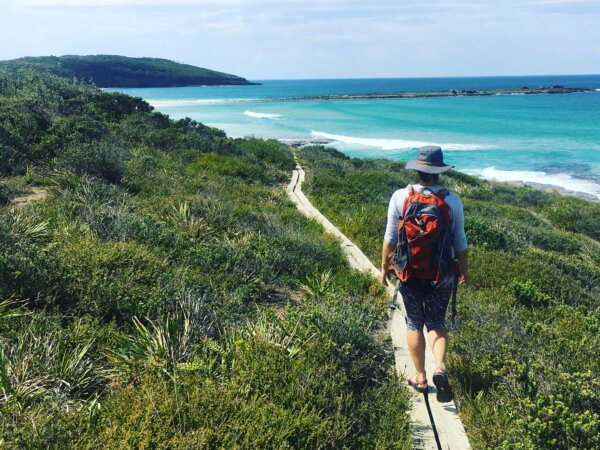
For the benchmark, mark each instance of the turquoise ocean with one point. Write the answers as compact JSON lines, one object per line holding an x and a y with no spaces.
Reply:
{"x":546,"y":139}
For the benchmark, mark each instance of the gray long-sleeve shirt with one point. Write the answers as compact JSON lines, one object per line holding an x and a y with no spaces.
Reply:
{"x":457,"y":225}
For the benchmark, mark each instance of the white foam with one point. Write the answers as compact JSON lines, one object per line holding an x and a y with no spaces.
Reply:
{"x":561,"y":180}
{"x":196,"y":102}
{"x":258,"y":115}
{"x":394,"y":144}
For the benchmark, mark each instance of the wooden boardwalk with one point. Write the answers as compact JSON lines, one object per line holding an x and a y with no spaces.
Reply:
{"x":434,"y":425}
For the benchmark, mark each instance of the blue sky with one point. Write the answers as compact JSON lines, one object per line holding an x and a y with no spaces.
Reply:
{"x":318,"y":39}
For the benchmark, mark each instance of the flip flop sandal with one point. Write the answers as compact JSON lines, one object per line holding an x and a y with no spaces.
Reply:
{"x":421,"y":386}
{"x":444,"y":391}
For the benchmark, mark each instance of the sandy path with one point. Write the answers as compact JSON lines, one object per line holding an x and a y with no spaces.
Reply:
{"x":35,"y":195}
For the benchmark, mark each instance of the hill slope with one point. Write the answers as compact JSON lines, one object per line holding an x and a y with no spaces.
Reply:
{"x":166,"y":294}
{"x":122,"y":71}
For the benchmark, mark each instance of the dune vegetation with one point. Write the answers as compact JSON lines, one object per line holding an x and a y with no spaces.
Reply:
{"x":167,"y":294}
{"x":524,"y":357}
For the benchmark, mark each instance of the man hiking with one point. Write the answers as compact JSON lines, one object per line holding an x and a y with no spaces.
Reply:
{"x":426,"y":245}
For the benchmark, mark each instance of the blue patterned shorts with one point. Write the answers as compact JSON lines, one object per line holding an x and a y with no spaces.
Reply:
{"x":425,"y":309}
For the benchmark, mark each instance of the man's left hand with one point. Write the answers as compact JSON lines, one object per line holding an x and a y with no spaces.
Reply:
{"x":384,"y":277}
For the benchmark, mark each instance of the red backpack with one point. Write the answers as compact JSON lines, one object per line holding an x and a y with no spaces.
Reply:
{"x":424,"y":252}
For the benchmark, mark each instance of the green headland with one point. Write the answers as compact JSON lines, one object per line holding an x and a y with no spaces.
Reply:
{"x":122,"y":71}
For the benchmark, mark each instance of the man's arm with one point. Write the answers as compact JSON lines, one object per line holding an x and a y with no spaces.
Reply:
{"x":386,"y":256}
{"x":463,"y":262}
{"x":460,"y":239}
{"x":391,"y":236}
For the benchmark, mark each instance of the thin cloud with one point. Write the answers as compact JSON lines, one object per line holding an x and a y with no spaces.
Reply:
{"x":317,"y":38}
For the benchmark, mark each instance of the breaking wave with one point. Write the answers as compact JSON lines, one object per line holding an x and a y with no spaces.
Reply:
{"x":196,"y":102}
{"x":258,"y":115}
{"x":561,"y":180}
{"x":394,"y":144}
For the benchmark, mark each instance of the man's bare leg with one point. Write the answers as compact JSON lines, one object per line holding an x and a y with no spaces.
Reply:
{"x":416,"y":345}
{"x":438,"y":340}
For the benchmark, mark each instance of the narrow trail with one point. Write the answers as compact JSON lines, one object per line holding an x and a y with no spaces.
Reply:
{"x":34,"y":195}
{"x":435,"y":425}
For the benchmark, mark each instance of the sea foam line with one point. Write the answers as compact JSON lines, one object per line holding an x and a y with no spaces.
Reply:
{"x":561,"y":180}
{"x":258,"y":115}
{"x":197,"y":102}
{"x":394,"y":144}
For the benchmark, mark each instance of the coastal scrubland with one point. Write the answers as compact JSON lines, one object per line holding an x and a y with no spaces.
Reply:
{"x":165,"y":293}
{"x":524,"y":357}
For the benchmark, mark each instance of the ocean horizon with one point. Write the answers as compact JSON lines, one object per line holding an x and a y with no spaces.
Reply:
{"x":551,"y":140}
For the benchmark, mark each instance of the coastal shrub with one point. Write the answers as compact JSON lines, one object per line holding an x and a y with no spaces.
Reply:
{"x":50,"y":373}
{"x":162,"y":344}
{"x":11,"y":161}
{"x":481,"y":232}
{"x":211,"y":164}
{"x":501,"y":193}
{"x":5,"y":194}
{"x":27,"y":272}
{"x":565,"y":420}
{"x":70,"y":131}
{"x":575,"y":215}
{"x":271,"y":152}
{"x":44,"y":366}
{"x":152,"y":173}
{"x":320,"y":152}
{"x":527,"y":294}
{"x":115,"y":106}
{"x":114,"y":279}
{"x":102,"y":159}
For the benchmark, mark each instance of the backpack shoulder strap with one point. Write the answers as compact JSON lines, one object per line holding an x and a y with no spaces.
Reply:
{"x":442,"y":193}
{"x":410,"y":190}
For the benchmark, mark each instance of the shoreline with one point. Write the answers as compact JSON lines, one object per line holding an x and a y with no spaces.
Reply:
{"x":551,"y":188}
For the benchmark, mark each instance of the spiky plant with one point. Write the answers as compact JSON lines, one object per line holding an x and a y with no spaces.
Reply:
{"x":165,"y":342}
{"x":279,"y":331}
{"x":317,"y":286}
{"x":37,"y":366}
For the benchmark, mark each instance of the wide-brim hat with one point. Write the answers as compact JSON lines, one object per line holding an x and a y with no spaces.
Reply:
{"x":430,"y":159}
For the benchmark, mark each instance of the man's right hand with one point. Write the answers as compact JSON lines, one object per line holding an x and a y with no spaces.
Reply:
{"x":463,"y":263}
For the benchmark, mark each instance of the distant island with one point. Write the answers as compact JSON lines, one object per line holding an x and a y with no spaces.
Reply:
{"x":121,"y":71}
{"x":524,"y":90}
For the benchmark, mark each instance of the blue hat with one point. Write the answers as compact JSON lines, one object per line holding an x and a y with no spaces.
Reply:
{"x":430,"y":159}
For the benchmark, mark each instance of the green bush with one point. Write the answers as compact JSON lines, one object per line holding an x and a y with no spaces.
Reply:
{"x":27,"y":272}
{"x":527,"y":294}
{"x":485,"y":234}
{"x":101,"y":159}
{"x":114,"y":279}
{"x":5,"y":194}
{"x":211,"y":164}
{"x":575,"y":215}
{"x":271,"y":152}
